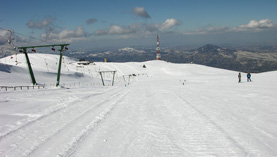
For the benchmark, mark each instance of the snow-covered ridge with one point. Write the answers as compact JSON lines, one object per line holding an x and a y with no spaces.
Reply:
{"x":129,"y":49}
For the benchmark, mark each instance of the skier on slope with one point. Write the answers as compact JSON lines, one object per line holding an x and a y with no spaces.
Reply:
{"x":248,"y":77}
{"x":239,"y":76}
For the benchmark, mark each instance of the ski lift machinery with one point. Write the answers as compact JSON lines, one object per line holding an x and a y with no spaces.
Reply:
{"x":24,"y":50}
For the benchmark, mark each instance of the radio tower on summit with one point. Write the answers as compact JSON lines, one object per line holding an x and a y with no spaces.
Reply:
{"x":158,"y":57}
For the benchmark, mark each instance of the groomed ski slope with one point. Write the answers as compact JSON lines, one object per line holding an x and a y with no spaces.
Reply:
{"x":165,"y":110}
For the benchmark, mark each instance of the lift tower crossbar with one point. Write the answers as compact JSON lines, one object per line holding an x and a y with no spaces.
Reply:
{"x":29,"y":64}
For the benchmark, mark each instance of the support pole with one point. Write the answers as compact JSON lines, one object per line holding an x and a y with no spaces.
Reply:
{"x":29,"y":64}
{"x":113,"y":77}
{"x":29,"y":67}
{"x":102,"y":78}
{"x":60,"y":65}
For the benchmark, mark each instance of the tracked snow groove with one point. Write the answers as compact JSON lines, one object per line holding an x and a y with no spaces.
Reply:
{"x":174,"y":110}
{"x":62,"y":105}
{"x":160,"y":124}
{"x":70,"y":148}
{"x":56,"y":124}
{"x":236,"y":144}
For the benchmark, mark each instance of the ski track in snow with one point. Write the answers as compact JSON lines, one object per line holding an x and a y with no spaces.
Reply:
{"x":236,"y":144}
{"x":237,"y":127}
{"x":75,"y":142}
{"x":63,"y":104}
{"x":170,"y":142}
{"x":19,"y":149}
{"x":173,"y":110}
{"x":60,"y":106}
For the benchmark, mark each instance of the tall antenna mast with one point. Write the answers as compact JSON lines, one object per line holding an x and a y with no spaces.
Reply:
{"x":158,"y":57}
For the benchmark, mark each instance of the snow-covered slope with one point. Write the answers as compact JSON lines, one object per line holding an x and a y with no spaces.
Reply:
{"x":45,"y":67}
{"x":165,"y":109}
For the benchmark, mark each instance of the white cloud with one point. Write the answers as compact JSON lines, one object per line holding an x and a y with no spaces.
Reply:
{"x":5,"y":35}
{"x":257,"y":25}
{"x":138,"y":29}
{"x":45,"y":23}
{"x":141,"y":12}
{"x":66,"y":35}
{"x":210,"y":30}
{"x":253,"y":25}
{"x":115,"y":29}
{"x":169,"y":23}
{"x":31,"y":24}
{"x":91,"y":21}
{"x":118,"y":30}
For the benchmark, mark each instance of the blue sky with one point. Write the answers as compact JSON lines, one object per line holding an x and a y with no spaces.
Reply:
{"x":92,"y":24}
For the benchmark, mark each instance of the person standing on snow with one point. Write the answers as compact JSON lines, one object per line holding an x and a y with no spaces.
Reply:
{"x":239,"y":76}
{"x":248,"y":77}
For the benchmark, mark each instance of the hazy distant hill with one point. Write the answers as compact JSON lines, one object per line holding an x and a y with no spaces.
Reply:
{"x":210,"y":55}
{"x":215,"y":56}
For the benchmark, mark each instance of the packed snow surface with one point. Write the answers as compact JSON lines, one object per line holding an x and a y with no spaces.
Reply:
{"x":164,"y":109}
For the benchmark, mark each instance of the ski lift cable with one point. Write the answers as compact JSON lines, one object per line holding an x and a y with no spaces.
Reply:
{"x":10,"y":41}
{"x":37,"y":39}
{"x":31,"y":37}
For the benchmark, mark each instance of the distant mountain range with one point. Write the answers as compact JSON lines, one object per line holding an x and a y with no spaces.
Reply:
{"x":244,"y":61}
{"x":210,"y":55}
